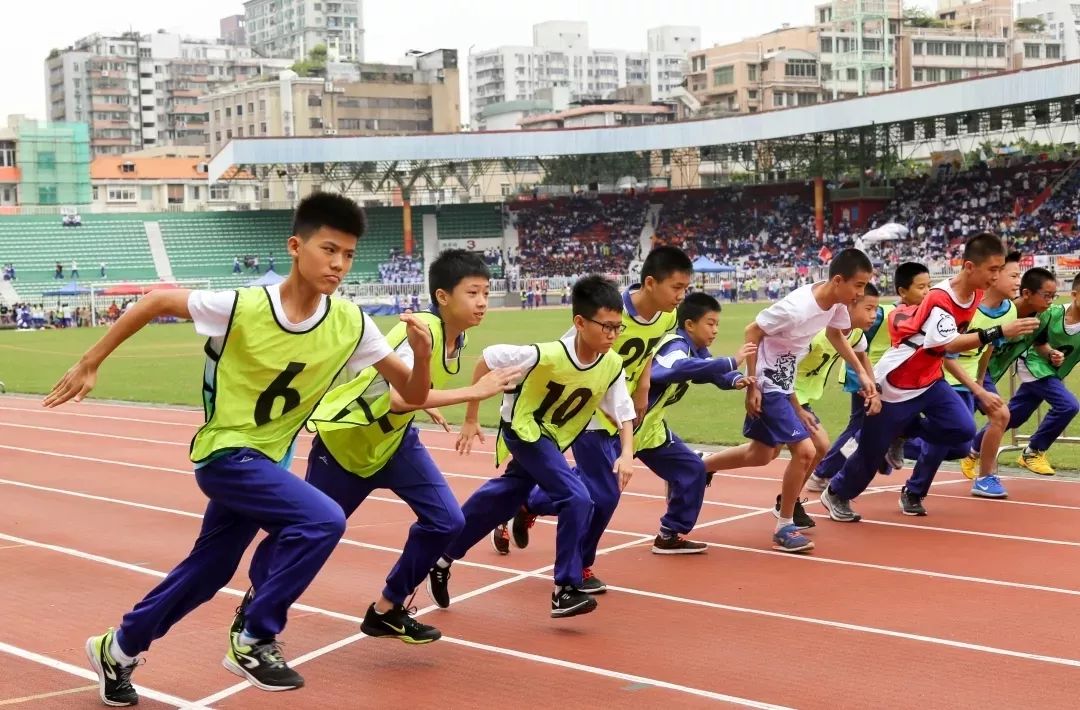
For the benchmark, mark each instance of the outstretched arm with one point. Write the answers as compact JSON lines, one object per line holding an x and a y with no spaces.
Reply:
{"x":81,"y":378}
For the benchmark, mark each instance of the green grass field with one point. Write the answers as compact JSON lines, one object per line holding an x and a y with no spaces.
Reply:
{"x":163,"y":364}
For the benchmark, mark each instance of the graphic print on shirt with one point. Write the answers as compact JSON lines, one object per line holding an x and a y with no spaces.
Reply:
{"x":783,"y":371}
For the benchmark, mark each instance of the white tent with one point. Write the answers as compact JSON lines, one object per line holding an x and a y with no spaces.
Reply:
{"x":885,"y":233}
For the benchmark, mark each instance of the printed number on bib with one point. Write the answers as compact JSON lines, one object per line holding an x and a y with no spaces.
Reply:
{"x":568,"y":408}
{"x":632,"y":350}
{"x":680,"y":391}
{"x":279,"y":388}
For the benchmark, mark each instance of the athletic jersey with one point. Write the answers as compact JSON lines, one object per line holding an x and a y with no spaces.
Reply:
{"x":355,"y":420}
{"x":1007,"y":353}
{"x":789,"y":326}
{"x":919,"y":335}
{"x":1060,"y":336}
{"x":557,"y":397}
{"x":985,"y":317}
{"x":636,"y":345}
{"x":676,"y":364}
{"x":813,"y":370}
{"x":264,"y":380}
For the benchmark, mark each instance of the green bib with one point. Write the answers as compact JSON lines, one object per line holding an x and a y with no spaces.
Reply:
{"x":1004,"y":357}
{"x":637,"y":344}
{"x":1058,"y":339}
{"x":266,"y":380}
{"x":813,"y":369}
{"x":355,"y":420}
{"x":557,"y":398}
{"x":877,"y":342}
{"x":653,"y":431}
{"x":969,"y":359}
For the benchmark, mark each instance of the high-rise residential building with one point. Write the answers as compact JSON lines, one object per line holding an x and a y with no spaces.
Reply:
{"x":1062,"y":20}
{"x":291,"y":28}
{"x":560,"y":56}
{"x":859,"y":47}
{"x":137,"y":90}
{"x":231,"y":30}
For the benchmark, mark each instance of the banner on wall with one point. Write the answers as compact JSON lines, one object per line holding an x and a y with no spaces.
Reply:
{"x":1068,"y":263}
{"x":479,"y":244}
{"x":1045,"y":260}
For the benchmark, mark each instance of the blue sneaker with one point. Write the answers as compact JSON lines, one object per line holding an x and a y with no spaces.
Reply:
{"x":789,"y":539}
{"x":988,"y":487}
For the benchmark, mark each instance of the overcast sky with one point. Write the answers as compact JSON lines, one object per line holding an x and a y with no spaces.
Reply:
{"x":392,"y":27}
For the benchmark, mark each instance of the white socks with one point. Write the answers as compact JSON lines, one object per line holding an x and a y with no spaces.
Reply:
{"x":781,"y":522}
{"x":247,"y":640}
{"x":118,"y":655}
{"x":442,"y":563}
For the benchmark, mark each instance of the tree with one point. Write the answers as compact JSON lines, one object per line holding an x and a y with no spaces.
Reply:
{"x":1032,"y":25}
{"x":918,"y":17}
{"x":314,"y":65}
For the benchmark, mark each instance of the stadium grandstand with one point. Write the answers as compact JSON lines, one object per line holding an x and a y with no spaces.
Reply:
{"x":767,"y":196}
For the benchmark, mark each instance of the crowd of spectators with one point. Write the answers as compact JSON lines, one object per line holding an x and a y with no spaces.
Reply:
{"x":401,"y":269}
{"x":582,"y":234}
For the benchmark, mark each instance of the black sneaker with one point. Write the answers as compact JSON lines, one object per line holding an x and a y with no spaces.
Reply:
{"x":500,"y":539}
{"x":438,"y":586}
{"x":114,"y":680}
{"x":801,"y":520}
{"x":398,"y":623}
{"x":910,"y":504}
{"x":520,"y":526}
{"x":676,"y":545}
{"x":261,"y":664}
{"x":590,"y":583}
{"x":238,"y":620}
{"x":567,"y":601}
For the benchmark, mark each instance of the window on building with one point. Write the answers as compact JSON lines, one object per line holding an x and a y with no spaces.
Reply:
{"x":723,"y":76}
{"x":778,"y":98}
{"x":228,"y":112}
{"x":752,"y":94}
{"x":195,"y":193}
{"x":1031,"y":51}
{"x":807,"y":98}
{"x":262,"y":129}
{"x":121,"y":194}
{"x":1001,"y":51}
{"x":933,"y":75}
{"x":7,"y":154}
{"x":251,"y":107}
{"x":852,"y":74}
{"x":752,"y":72}
{"x":315,"y":122}
{"x":955,"y":49}
{"x":935,"y":49}
{"x":918,"y":74}
{"x":239,"y":131}
{"x":917,"y":47}
{"x":217,"y":136}
{"x":826,"y":45}
{"x":1053,"y":51}
{"x":974,"y":49}
{"x":953,"y":75}
{"x":228,"y":134}
{"x":314,"y":100}
{"x":175,"y":194}
{"x":47,"y":195}
{"x":146,"y":193}
{"x":877,"y":75}
{"x":505,"y":189}
{"x":47,"y":159}
{"x":239,"y":109}
{"x":219,"y":191}
{"x":800,"y":68}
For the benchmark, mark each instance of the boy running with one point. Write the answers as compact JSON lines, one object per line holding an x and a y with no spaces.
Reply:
{"x":783,"y":333}
{"x":566,"y":382}
{"x":271,"y":355}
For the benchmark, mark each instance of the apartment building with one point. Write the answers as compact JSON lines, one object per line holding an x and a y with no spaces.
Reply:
{"x":1062,"y":19}
{"x":140,"y":90}
{"x":291,"y":28}
{"x":561,"y":56}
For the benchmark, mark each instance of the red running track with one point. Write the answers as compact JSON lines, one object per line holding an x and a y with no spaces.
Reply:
{"x":972,"y":606}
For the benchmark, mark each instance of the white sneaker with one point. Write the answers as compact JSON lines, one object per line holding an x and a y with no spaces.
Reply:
{"x":816,"y":484}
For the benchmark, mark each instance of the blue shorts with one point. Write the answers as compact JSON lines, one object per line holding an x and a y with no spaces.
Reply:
{"x":778,"y":424}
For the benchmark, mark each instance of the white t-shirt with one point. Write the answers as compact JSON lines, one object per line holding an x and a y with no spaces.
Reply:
{"x":616,"y":402}
{"x":790,"y":324}
{"x":210,"y":312}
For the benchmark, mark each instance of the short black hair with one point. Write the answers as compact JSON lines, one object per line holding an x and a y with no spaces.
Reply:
{"x":1033,"y":279}
{"x":328,"y":209}
{"x":696,"y":306}
{"x":593,"y":292}
{"x":664,"y":261}
{"x":983,"y":246}
{"x":906,"y":273}
{"x":872,"y":291}
{"x":1013,"y":257}
{"x":451,"y":267}
{"x":850,"y":262}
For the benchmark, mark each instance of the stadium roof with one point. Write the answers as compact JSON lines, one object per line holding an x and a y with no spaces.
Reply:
{"x":1014,"y":88}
